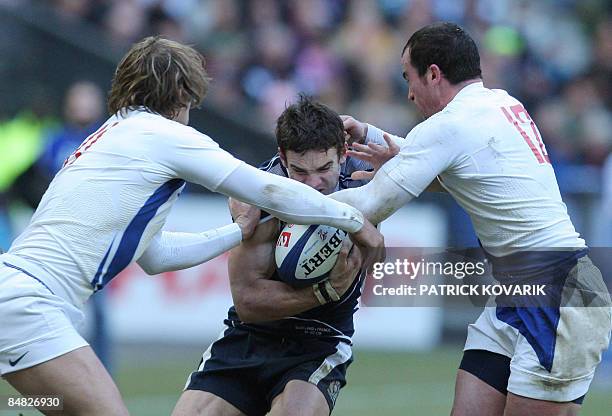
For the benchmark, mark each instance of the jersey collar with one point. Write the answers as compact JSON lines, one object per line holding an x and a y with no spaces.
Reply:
{"x":468,"y":89}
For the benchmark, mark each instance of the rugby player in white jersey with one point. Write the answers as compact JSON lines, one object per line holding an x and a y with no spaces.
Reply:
{"x":483,"y":148}
{"x":106,"y":208}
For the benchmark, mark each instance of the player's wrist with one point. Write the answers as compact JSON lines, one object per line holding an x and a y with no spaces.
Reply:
{"x":373,"y":134}
{"x":229,"y":235}
{"x":358,"y":221}
{"x":325,"y":292}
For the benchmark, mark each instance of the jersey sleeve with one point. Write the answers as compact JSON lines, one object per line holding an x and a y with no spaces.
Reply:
{"x":375,"y":135}
{"x":196,"y":158}
{"x":426,"y":152}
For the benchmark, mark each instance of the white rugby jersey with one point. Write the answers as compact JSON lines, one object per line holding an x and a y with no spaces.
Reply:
{"x":111,"y":197}
{"x":489,"y":156}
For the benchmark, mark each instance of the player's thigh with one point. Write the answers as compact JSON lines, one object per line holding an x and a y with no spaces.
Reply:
{"x":195,"y":402}
{"x":79,"y":378}
{"x":474,"y":397}
{"x":524,"y":406}
{"x":300,"y":398}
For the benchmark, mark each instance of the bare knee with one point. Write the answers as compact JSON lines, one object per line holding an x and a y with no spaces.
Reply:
{"x":300,"y":398}
{"x":79,"y":378}
{"x":474,"y":397}
{"x":86,"y":403}
{"x":196,"y":402}
{"x":524,"y":406}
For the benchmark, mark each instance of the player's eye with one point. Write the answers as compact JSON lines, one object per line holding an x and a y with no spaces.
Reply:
{"x":325,"y":168}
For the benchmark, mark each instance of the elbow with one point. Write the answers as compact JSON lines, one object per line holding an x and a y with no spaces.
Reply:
{"x":247,"y":310}
{"x":150,"y":269}
{"x":150,"y":272}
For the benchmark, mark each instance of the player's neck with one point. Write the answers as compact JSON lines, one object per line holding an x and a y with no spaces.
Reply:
{"x":453,"y":90}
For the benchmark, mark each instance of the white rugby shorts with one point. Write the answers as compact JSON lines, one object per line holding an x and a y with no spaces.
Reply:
{"x":36,"y":325}
{"x":555,"y":352}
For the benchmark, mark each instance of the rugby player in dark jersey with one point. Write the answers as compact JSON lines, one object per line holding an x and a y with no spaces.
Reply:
{"x":283,"y":351}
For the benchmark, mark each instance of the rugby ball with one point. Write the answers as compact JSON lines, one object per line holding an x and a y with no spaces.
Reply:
{"x":305,"y":254}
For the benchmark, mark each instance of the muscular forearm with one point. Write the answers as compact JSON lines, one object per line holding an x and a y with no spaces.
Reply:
{"x":268,"y":300}
{"x":175,"y":251}
{"x":289,"y":200}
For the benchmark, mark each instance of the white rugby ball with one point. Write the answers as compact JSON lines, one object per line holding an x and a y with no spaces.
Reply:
{"x":305,"y":254}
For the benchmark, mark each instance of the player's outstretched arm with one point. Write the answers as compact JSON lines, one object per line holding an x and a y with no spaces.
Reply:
{"x":257,"y":298}
{"x":195,"y":157}
{"x":169,"y":251}
{"x":383,"y":197}
{"x":289,"y":200}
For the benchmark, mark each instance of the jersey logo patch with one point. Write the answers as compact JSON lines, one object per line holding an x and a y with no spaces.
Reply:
{"x":333,"y":390}
{"x":283,"y":239}
{"x":14,"y":363}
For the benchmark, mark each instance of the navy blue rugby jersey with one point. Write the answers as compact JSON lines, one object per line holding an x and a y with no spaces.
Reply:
{"x":333,"y":320}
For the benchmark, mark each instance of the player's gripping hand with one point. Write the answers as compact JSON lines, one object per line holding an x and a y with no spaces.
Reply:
{"x":346,"y":269}
{"x":245,"y":215}
{"x":375,"y":154}
{"x":354,"y":130}
{"x":371,"y":243}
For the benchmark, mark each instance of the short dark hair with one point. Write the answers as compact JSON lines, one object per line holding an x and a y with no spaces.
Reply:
{"x":448,"y":46}
{"x":309,"y":125}
{"x":160,"y":74}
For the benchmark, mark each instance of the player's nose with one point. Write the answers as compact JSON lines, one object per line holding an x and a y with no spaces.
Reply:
{"x":410,"y":95}
{"x":314,"y":181}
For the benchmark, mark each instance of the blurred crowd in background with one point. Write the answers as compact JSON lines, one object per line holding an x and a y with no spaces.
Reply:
{"x":553,"y":55}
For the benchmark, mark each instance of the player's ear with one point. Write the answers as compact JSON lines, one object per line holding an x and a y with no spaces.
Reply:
{"x":283,"y":157}
{"x":434,"y":74}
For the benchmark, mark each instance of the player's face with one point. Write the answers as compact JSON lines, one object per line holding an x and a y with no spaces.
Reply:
{"x":421,"y":90}
{"x":318,"y":169}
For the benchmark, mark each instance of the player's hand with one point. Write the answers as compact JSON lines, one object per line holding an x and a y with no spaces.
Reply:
{"x":371,"y":243}
{"x":373,"y":153}
{"x":347,"y":267}
{"x":354,"y":130}
{"x":246,"y":216}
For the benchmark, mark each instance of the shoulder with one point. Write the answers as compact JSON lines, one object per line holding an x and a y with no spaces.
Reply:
{"x":435,"y":129}
{"x":159,"y":127}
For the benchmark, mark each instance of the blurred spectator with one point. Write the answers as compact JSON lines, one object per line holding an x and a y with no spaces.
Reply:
{"x":21,"y":142}
{"x":83,"y":113}
{"x":125,"y":21}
